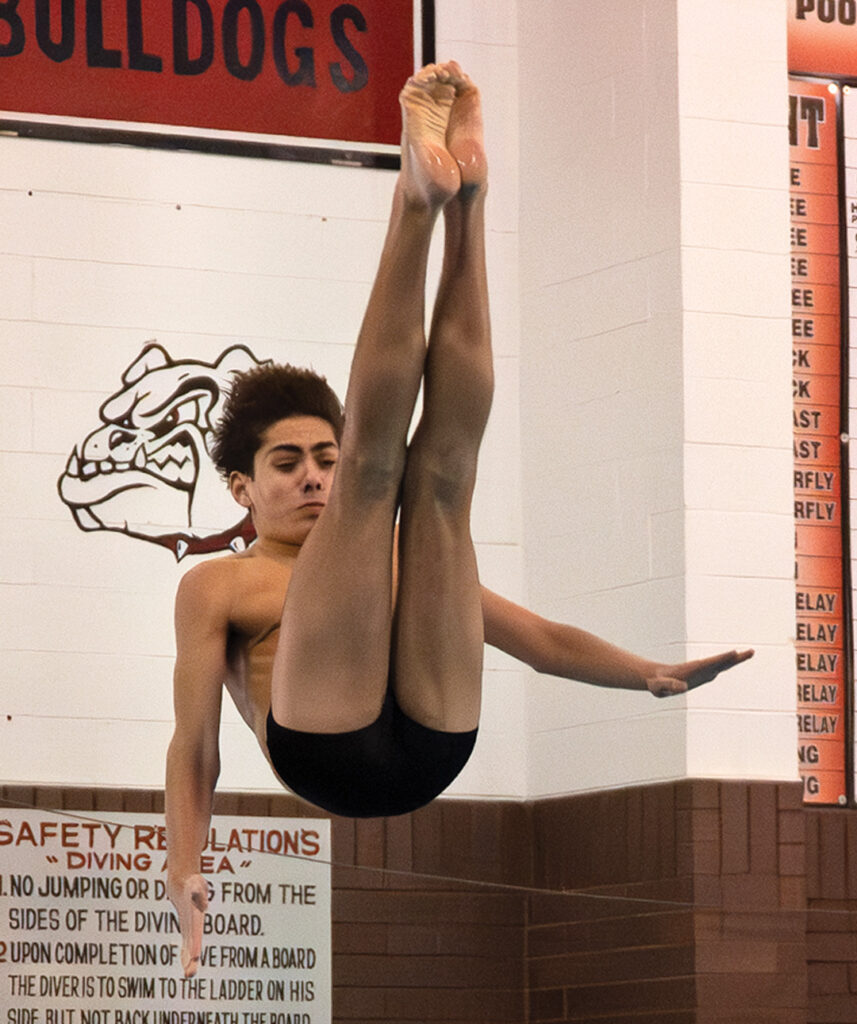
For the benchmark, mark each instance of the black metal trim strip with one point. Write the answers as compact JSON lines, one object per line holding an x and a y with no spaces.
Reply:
{"x":198,"y":144}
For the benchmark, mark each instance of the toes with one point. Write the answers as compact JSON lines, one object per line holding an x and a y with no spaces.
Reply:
{"x":448,"y":73}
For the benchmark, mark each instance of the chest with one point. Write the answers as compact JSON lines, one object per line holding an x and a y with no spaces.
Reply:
{"x":258,"y":603}
{"x":258,"y":614}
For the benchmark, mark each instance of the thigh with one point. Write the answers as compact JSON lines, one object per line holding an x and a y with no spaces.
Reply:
{"x":438,"y":631}
{"x":332,"y":663}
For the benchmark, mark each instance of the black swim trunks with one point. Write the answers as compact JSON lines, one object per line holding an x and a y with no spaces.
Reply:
{"x":393,"y":766}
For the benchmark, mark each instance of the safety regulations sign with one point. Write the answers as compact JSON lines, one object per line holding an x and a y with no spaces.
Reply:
{"x":88,"y":936}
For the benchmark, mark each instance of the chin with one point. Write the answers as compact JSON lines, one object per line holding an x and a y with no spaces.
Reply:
{"x":303,"y":531}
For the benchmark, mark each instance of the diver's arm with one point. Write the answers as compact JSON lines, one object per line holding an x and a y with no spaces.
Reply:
{"x":193,"y":758}
{"x":556,"y":649}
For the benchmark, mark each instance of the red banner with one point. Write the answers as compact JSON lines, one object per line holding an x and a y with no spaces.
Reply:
{"x":306,"y":69}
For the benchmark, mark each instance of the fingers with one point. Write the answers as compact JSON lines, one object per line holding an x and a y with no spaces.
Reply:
{"x":678,"y":679}
{"x":190,"y":962}
{"x":696,"y":673}
{"x":709,"y":668}
{"x":730,"y":658}
{"x":192,"y":939}
{"x":191,"y":904}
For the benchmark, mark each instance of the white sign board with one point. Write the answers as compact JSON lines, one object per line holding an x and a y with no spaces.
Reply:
{"x":88,"y":936}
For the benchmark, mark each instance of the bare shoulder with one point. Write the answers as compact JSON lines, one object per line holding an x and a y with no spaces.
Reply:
{"x":224,"y":591}
{"x":207,"y":592}
{"x":207,"y":580}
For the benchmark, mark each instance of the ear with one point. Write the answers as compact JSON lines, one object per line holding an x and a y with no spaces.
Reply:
{"x":238,"y":488}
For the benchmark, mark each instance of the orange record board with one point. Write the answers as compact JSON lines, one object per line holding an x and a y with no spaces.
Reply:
{"x":816,"y":300}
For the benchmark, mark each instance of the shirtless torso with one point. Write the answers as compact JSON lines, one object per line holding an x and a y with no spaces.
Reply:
{"x":259,"y":586}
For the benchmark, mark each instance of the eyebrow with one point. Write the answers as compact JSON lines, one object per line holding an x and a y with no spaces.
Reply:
{"x":296,"y":449}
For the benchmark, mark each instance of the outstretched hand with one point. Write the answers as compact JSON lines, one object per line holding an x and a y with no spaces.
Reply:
{"x":670,"y":680}
{"x":190,"y":898}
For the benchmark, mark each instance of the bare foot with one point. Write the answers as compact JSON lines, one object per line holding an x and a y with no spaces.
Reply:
{"x":430,"y":173}
{"x":464,"y":138}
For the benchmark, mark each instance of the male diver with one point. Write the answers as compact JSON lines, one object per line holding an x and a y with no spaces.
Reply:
{"x":352,"y":646}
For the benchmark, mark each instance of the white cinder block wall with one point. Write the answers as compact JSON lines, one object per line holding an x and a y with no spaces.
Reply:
{"x":655,"y":354}
{"x":103,"y":249}
{"x":110,"y":248}
{"x":635,"y":477}
{"x":738,"y":454}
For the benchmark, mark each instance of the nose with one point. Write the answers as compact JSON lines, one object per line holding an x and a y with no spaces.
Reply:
{"x":314,"y":480}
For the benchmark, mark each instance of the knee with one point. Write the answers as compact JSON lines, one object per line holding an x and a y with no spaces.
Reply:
{"x":445,"y":476}
{"x":371,"y":477}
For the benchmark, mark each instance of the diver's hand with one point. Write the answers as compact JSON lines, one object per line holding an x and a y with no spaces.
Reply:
{"x":670,"y":680}
{"x":189,"y":896}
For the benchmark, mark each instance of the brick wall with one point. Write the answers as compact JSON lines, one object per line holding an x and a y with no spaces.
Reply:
{"x":697,"y":902}
{"x":831,"y":930}
{"x":692,"y":906}
{"x":412,"y":941}
{"x":623,"y":944}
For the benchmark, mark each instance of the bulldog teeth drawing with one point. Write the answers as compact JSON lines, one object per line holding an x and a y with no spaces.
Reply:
{"x":145,"y":471}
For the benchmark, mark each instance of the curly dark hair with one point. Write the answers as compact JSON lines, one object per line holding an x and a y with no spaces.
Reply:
{"x":263,"y":396}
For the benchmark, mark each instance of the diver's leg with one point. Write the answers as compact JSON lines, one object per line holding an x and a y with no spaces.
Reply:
{"x":438,"y":639}
{"x":332,"y":664}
